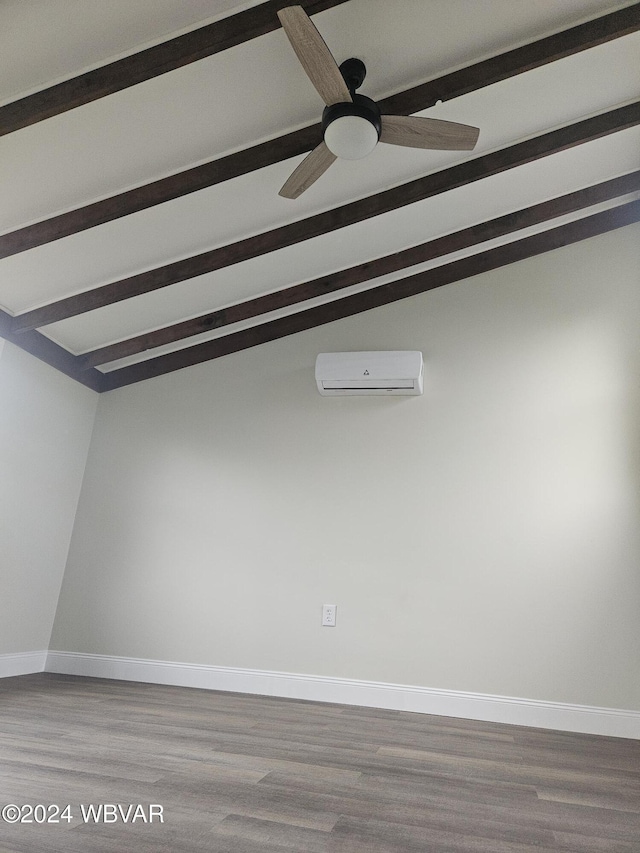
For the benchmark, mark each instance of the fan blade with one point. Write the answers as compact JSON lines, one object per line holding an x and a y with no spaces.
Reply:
{"x":314,"y":164}
{"x":416,"y":132}
{"x":314,"y":55}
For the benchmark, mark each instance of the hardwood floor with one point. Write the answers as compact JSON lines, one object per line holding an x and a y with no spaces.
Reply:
{"x":245,"y":773}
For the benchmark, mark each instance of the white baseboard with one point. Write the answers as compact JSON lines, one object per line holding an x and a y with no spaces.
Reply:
{"x":22,"y":663}
{"x":399,"y":697}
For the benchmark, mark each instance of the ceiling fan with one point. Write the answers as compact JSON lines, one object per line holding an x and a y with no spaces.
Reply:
{"x":351,"y":123}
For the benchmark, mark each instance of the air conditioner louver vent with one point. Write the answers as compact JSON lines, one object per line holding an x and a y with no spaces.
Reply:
{"x":359,"y":373}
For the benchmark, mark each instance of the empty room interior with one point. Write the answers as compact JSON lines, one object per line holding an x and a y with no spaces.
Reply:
{"x":320,"y":426}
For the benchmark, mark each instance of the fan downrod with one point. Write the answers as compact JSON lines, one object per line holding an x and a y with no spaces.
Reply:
{"x":353,"y":71}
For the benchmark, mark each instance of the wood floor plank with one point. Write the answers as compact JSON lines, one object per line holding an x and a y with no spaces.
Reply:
{"x":293,"y":809}
{"x":552,"y":777}
{"x":619,"y":801}
{"x":574,"y":843}
{"x":401,"y":807}
{"x":375,"y":836}
{"x":273,"y":832}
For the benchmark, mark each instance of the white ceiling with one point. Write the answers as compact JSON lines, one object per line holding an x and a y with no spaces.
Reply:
{"x":256,"y":91}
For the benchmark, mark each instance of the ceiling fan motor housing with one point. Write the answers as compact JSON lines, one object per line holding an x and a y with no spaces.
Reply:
{"x":353,"y":72}
{"x":358,"y":139}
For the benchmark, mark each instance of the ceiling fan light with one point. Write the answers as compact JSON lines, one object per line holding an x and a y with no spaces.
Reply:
{"x":351,"y":137}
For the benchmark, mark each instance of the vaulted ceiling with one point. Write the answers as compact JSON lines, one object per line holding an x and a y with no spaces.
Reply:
{"x":143,"y":144}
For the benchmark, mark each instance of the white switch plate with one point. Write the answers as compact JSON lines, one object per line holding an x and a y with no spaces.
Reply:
{"x":329,"y":615}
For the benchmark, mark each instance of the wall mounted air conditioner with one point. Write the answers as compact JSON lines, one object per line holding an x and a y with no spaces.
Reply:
{"x":384,"y":373}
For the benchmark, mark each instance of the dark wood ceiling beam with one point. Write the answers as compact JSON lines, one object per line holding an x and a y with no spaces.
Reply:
{"x":340,"y":217}
{"x":159,"y":59}
{"x":298,"y":142}
{"x":324,"y":285}
{"x":517,"y":61}
{"x":509,"y":253}
{"x":158,"y":192}
{"x":49,"y":352}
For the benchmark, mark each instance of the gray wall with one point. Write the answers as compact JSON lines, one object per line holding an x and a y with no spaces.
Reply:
{"x":45,"y":427}
{"x":483,"y":537}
